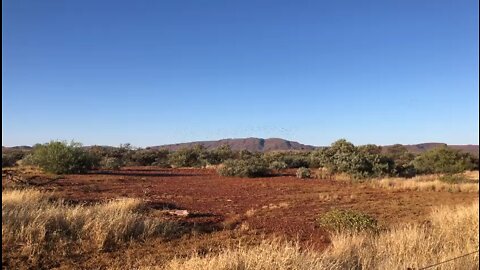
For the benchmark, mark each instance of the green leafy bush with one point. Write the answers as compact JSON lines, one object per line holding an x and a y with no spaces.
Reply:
{"x":149,"y":157}
{"x":292,"y":159}
{"x":444,"y":160}
{"x":347,"y":221}
{"x":218,"y":155}
{"x":278,"y":165}
{"x":62,"y":158}
{"x":303,"y":173}
{"x":253,"y":167}
{"x":188,"y":157}
{"x":162,"y":158}
{"x":358,"y":162}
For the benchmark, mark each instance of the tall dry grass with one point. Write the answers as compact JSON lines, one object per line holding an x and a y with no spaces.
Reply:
{"x":452,"y":231}
{"x":35,"y":225}
{"x":435,"y":185}
{"x":429,"y":183}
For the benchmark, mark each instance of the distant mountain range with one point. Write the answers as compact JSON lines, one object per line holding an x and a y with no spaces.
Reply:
{"x":277,"y":144}
{"x":250,"y":144}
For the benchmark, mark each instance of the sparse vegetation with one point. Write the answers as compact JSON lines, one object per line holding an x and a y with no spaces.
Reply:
{"x":401,"y":247}
{"x":56,"y":230}
{"x":455,"y":183}
{"x":453,"y":178}
{"x":303,"y":173}
{"x":339,"y":220}
{"x":36,"y":225}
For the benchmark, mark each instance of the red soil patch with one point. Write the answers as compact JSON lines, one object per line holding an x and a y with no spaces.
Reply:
{"x":282,"y":205}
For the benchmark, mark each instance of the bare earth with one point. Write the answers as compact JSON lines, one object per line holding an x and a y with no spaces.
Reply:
{"x":283,"y":205}
{"x":226,"y":210}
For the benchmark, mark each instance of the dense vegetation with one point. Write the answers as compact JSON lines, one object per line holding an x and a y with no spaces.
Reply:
{"x":342,"y":157}
{"x":62,"y":158}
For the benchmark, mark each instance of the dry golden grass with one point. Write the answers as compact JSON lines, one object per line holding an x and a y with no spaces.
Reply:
{"x":452,"y":231}
{"x":472,"y":175}
{"x":428,"y":183}
{"x":436,"y":185}
{"x":36,"y":226}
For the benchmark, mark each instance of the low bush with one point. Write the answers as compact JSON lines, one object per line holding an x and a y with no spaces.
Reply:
{"x":10,"y":158}
{"x":111,"y":163}
{"x":144,"y":157}
{"x":323,"y":173}
{"x":253,"y":167}
{"x":277,"y":165}
{"x":444,"y":160}
{"x":218,"y":155}
{"x":347,"y":221}
{"x":303,"y":173}
{"x":187,"y":157}
{"x":62,"y":158}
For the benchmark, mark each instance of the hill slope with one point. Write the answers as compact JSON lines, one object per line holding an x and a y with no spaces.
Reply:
{"x":250,"y":144}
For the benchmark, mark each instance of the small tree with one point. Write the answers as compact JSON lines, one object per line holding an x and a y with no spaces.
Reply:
{"x":62,"y":158}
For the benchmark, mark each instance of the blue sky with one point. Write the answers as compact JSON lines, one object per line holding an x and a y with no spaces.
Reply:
{"x":157,"y":72}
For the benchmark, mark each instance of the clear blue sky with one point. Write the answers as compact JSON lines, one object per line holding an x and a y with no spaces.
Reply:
{"x":156,"y":72}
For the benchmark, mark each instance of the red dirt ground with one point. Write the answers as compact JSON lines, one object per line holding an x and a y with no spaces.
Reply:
{"x":282,"y":205}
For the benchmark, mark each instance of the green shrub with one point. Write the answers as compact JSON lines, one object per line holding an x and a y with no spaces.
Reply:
{"x":319,"y":158}
{"x":402,"y":159}
{"x":143,"y":157}
{"x":358,"y":162}
{"x":278,"y":165}
{"x":162,"y":158}
{"x":253,"y":167}
{"x":444,"y":160}
{"x":149,"y":157}
{"x":111,"y":163}
{"x":188,"y":157}
{"x":303,"y":173}
{"x":244,"y":154}
{"x":10,"y":157}
{"x":296,"y":160}
{"x":347,"y":221}
{"x":218,"y":155}
{"x":291,"y":159}
{"x":62,"y":158}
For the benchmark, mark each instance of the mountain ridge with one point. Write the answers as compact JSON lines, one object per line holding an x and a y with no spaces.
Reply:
{"x":278,"y":144}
